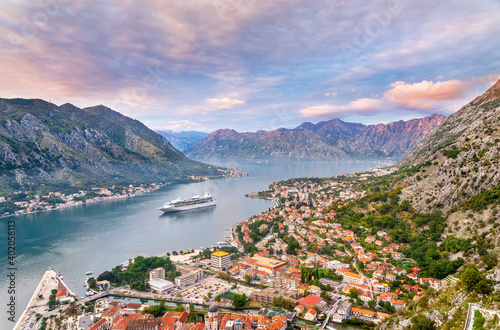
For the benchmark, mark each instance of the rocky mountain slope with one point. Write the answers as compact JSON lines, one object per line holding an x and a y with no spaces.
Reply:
{"x":43,"y":143}
{"x":334,"y":139}
{"x":459,"y":160}
{"x":183,"y":140}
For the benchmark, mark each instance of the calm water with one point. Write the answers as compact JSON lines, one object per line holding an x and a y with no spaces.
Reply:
{"x":99,"y":236}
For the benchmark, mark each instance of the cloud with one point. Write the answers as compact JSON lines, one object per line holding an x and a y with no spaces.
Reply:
{"x":189,"y":59}
{"x":225,"y":103}
{"x":421,"y":97}
{"x":364,"y":106}
{"x":175,"y":125}
{"x":425,"y":94}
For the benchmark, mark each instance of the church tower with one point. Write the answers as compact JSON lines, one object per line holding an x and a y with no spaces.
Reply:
{"x":212,"y":318}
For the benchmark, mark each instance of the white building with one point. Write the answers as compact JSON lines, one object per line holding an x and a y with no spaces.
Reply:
{"x":160,"y":285}
{"x":335,"y":264}
{"x":220,"y":261}
{"x":157,"y":273}
{"x":189,"y":278}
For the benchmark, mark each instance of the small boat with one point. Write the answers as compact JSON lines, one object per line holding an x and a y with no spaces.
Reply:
{"x":89,"y":272}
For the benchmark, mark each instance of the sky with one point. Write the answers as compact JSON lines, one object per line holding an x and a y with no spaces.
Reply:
{"x":251,"y":65}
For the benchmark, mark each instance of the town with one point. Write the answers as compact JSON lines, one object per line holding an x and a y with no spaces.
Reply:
{"x":293,"y":265}
{"x":24,"y":202}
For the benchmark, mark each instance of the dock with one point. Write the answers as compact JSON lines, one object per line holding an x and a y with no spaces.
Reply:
{"x":38,"y":303}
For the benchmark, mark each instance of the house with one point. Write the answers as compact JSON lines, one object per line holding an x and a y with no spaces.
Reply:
{"x":303,"y":288}
{"x":397,"y":256}
{"x":313,"y":289}
{"x":416,"y":270}
{"x":413,"y":276}
{"x":352,"y":277}
{"x":390,"y":277}
{"x":370,"y":239}
{"x":102,"y":285}
{"x":333,"y":284}
{"x":311,"y":315}
{"x":299,"y":309}
{"x":388,"y":296}
{"x":363,"y":314}
{"x":335,"y":264}
{"x":398,"y":304}
{"x":343,"y":312}
{"x":395,"y":246}
{"x":399,"y":271}
{"x":435,"y":284}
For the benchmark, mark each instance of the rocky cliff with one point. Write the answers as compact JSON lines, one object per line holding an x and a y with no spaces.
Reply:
{"x":459,"y":160}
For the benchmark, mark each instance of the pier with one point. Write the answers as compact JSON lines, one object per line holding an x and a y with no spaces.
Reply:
{"x":38,"y":303}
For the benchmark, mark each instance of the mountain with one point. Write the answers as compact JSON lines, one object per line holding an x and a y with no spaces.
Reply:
{"x":225,"y":144}
{"x":43,"y":143}
{"x":182,"y":140}
{"x":326,"y":140}
{"x":457,"y":165}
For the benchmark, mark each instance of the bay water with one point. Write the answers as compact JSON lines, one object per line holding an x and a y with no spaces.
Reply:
{"x":99,"y":236}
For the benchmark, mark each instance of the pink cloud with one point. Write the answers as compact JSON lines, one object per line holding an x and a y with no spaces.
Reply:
{"x":364,"y":106}
{"x":225,"y":103}
{"x":424,"y":96}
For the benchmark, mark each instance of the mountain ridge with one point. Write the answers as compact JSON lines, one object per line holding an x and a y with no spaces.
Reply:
{"x":326,"y":140}
{"x":43,"y":143}
{"x":182,"y":140}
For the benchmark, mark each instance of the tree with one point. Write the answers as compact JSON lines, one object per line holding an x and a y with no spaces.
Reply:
{"x":293,"y":246}
{"x":218,"y":298}
{"x":353,"y":293}
{"x":421,"y":322}
{"x":180,"y":309}
{"x":155,"y":310}
{"x":475,"y":281}
{"x":239,"y":300}
{"x":248,"y":279}
{"x":72,"y":310}
{"x":191,"y":308}
{"x":92,"y":283}
{"x":209,"y":294}
{"x":372,"y":304}
{"x":106,"y":276}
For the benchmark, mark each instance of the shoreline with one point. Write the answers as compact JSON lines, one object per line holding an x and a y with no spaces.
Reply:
{"x":94,"y":200}
{"x":107,"y":198}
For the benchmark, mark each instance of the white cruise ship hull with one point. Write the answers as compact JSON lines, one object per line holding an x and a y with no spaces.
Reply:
{"x":171,"y":209}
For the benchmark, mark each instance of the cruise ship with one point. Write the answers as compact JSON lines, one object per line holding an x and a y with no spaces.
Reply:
{"x":195,"y":202}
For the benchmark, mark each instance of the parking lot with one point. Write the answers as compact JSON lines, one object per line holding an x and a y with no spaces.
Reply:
{"x":196,"y":292}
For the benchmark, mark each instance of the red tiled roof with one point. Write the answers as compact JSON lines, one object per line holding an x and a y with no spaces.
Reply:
{"x":310,"y":300}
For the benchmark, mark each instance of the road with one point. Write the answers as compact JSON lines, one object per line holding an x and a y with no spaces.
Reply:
{"x":357,"y":270}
